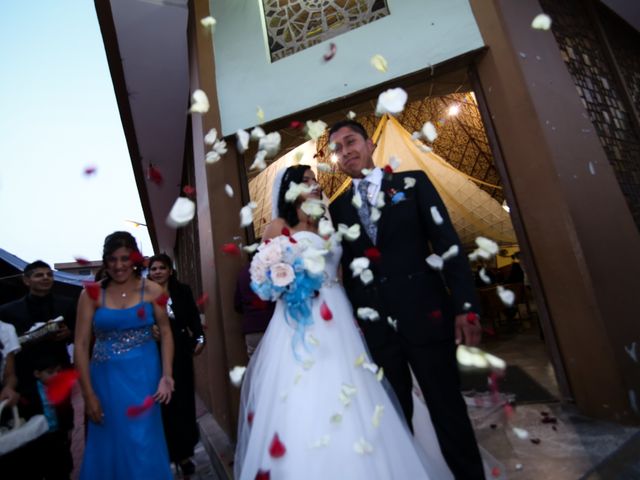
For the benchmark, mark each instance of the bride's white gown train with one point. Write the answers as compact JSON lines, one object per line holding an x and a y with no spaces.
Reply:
{"x":329,"y":410}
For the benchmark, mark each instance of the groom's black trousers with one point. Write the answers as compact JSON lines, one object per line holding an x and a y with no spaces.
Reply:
{"x":436,"y":370}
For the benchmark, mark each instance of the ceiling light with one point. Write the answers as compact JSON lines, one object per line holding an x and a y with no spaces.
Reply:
{"x":454,"y":110}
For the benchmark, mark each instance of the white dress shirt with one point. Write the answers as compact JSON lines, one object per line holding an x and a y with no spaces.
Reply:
{"x":375,"y":182}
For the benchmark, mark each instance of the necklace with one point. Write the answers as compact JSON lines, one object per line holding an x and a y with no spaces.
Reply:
{"x":123,"y":294}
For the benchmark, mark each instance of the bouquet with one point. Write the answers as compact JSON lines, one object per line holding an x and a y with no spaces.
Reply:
{"x":293,"y":271}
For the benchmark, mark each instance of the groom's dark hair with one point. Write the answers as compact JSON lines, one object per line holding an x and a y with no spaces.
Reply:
{"x":288,"y":210}
{"x":352,"y":124}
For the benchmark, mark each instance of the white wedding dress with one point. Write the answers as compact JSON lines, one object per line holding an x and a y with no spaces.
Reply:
{"x":322,"y":404}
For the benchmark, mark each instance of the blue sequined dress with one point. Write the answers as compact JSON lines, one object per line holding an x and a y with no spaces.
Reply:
{"x":125,"y":370}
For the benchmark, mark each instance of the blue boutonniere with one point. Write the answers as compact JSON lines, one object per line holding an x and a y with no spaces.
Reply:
{"x":396,"y":197}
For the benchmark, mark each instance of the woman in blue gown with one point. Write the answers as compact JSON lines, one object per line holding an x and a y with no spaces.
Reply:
{"x":126,"y":379}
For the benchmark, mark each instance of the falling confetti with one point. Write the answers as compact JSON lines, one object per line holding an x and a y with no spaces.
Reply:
{"x":59,"y":386}
{"x":137,"y":410}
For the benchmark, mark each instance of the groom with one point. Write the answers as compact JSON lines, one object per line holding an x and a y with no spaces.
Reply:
{"x":423,"y":312}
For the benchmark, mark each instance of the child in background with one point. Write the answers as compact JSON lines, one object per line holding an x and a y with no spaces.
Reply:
{"x":9,"y":346}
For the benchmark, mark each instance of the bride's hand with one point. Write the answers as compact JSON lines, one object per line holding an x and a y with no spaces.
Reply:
{"x":165,"y":387}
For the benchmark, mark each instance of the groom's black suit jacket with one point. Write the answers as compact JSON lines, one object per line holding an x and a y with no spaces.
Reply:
{"x":405,"y":288}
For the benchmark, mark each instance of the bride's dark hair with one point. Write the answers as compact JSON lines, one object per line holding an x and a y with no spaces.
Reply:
{"x":287,"y":210}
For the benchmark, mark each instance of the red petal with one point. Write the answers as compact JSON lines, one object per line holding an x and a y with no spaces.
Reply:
{"x":472,"y":318}
{"x":250,"y":418}
{"x":325,"y":312}
{"x":489,"y":331}
{"x":277,"y":448}
{"x":292,"y":240}
{"x":436,"y":314}
{"x":141,"y":313}
{"x":372,"y":254}
{"x":136,"y":258}
{"x":388,"y":169}
{"x":188,"y":190}
{"x":136,"y":410}
{"x":162,"y":300}
{"x":495,"y":471}
{"x":231,"y":249}
{"x":90,"y":170}
{"x":154,"y":175}
{"x":93,"y":289}
{"x":296,"y":124}
{"x":259,"y":304}
{"x":263,"y":475}
{"x":203,"y":300}
{"x":59,"y":386}
{"x":82,"y":261}
{"x":286,"y":232}
{"x":267,"y":241}
{"x":331,"y":53}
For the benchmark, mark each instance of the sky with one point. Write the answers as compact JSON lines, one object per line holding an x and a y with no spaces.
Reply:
{"x":58,"y":115}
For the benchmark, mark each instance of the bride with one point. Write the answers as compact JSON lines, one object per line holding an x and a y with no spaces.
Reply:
{"x":313,"y":405}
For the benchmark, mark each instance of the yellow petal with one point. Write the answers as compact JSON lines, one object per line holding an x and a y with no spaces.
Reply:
{"x":379,"y":63}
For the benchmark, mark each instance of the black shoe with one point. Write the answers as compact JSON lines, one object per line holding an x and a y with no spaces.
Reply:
{"x":187,"y":468}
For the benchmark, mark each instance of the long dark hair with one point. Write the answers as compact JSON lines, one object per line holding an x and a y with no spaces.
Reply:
{"x":288,"y":210}
{"x":167,"y":262}
{"x":112,"y":243}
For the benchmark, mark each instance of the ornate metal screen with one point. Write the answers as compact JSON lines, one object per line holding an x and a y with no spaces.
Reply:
{"x":592,"y":72}
{"x":293,"y":25}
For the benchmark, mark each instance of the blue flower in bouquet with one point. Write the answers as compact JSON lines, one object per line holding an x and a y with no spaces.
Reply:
{"x":284,"y":268}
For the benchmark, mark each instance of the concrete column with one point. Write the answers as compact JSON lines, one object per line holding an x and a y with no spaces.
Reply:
{"x":584,"y":244}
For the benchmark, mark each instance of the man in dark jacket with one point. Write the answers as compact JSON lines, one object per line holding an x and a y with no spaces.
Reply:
{"x":421,"y":311}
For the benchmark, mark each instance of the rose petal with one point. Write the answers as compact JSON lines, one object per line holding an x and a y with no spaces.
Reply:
{"x":136,"y":258}
{"x":263,"y":475}
{"x":541,"y":21}
{"x":435,"y":261}
{"x":250,"y":416}
{"x":277,"y":448}
{"x":81,"y":261}
{"x":246,"y":214}
{"x":93,"y":290}
{"x":325,"y":312}
{"x":429,"y":132}
{"x":452,"y":251}
{"x":141,"y":313}
{"x":351,"y":115}
{"x":506,"y":296}
{"x":203,"y":300}
{"x":208,"y":22}
{"x":231,"y":249}
{"x":136,"y":410}
{"x":315,"y":129}
{"x":483,"y":276}
{"x":379,"y":63}
{"x":188,"y":190}
{"x":391,"y":101}
{"x":236,"y":375}
{"x":366,"y":276}
{"x":211,"y":137}
{"x":58,"y":387}
{"x":258,"y":161}
{"x":377,"y":415}
{"x":199,"y":102}
{"x":181,"y":213}
{"x":260,"y":114}
{"x":270,"y":143}
{"x":242,"y":140}
{"x":162,"y":300}
{"x":154,"y":175}
{"x":228,"y":190}
{"x":331,"y":53}
{"x":367,"y":313}
{"x":373,"y":254}
{"x":88,"y":171}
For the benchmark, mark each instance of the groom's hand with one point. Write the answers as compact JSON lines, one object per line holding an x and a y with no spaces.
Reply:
{"x":467,"y":333}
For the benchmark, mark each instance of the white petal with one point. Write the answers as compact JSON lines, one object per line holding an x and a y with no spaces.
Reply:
{"x":424,"y":148}
{"x":367,"y":313}
{"x":243,"y":140}
{"x":358,"y":265}
{"x":208,"y":22}
{"x":372,"y":367}
{"x":260,"y":114}
{"x":350,"y":233}
{"x":325,"y":227}
{"x":246,"y":214}
{"x":379,"y":200}
{"x":297,"y":158}
{"x":521,"y":433}
{"x":435,"y":215}
{"x":251,"y":248}
{"x":380,"y":374}
{"x":362,"y":447}
{"x":348,"y":389}
{"x":321,"y":442}
{"x":211,"y":136}
{"x":429,"y":132}
{"x":314,"y":208}
{"x":379,"y":63}
{"x":182,"y":212}
{"x":257,"y":133}
{"x":270,"y":143}
{"x":228,"y":190}
{"x":542,"y":21}
{"x":483,"y":276}
{"x":375,"y":214}
{"x":360,"y":360}
{"x":471,"y":357}
{"x":377,"y":415}
{"x":409,"y":182}
{"x":435,"y":261}
{"x":393,"y":323}
{"x":506,"y":296}
{"x":366,"y":276}
{"x":451,"y":252}
{"x":212,"y":157}
{"x":366,"y":171}
{"x":351,"y":115}
{"x":324,"y":167}
{"x":220,"y":146}
{"x":356,"y":201}
{"x":466,"y":306}
{"x":391,"y":101}
{"x":199,"y":102}
{"x":487,"y":246}
{"x":416,"y":136}
{"x":258,"y":161}
{"x":236,"y":375}
{"x":315,"y":129}
{"x":394,"y":162}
